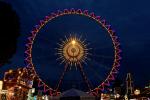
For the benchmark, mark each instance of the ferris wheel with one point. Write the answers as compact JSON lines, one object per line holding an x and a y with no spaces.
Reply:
{"x":73,"y":53}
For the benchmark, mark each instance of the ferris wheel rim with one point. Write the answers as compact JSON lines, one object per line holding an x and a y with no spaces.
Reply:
{"x":102,"y":22}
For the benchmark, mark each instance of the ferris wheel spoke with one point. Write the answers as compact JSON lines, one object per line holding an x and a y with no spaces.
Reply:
{"x":45,"y":39}
{"x":43,"y":57}
{"x":41,"y":48}
{"x":100,"y":64}
{"x":85,"y":77}
{"x":42,"y":52}
{"x":103,"y":56}
{"x":95,"y":72}
{"x":102,"y":47}
{"x":61,"y":77}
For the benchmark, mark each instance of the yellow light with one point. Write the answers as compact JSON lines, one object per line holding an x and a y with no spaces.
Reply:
{"x":19,"y":72}
{"x":72,"y":51}
{"x":19,"y":87}
{"x":73,"y":42}
{"x":1,"y":85}
{"x":10,"y":71}
{"x":137,"y":92}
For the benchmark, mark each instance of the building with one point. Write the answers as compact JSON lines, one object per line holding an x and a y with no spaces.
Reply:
{"x":17,"y":83}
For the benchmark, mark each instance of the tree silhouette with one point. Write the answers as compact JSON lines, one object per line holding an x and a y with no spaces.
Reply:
{"x":9,"y":32}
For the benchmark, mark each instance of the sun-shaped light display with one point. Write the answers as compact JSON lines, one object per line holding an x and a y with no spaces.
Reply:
{"x":72,"y":51}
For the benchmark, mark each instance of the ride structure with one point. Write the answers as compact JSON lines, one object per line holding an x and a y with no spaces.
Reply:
{"x":73,"y":52}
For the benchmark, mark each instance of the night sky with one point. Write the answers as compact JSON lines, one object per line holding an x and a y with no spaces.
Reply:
{"x":129,"y":18}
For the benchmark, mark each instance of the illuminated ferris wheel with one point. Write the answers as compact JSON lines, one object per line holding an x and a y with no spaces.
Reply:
{"x":74,"y":53}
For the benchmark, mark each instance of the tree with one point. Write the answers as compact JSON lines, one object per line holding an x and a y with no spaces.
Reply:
{"x":9,"y":32}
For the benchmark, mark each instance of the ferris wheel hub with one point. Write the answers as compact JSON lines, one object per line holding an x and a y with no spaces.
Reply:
{"x":72,"y":51}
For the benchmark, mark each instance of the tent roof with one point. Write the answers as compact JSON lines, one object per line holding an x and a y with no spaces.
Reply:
{"x":74,"y":92}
